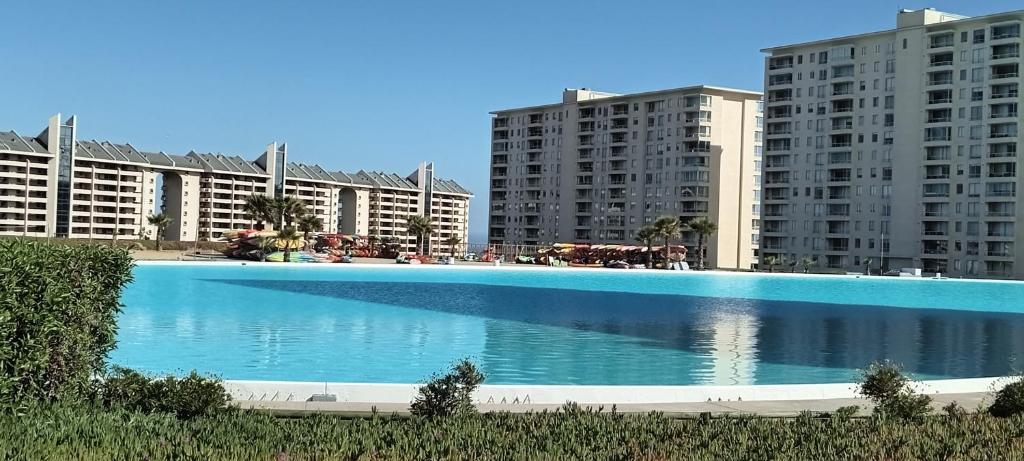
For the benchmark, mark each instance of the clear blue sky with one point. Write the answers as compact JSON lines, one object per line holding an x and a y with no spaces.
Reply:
{"x":380,"y":85}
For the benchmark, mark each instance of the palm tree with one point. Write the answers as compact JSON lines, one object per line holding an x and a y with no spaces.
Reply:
{"x":453,"y":243}
{"x":807,"y":263}
{"x":867,"y":266}
{"x":667,"y":227}
{"x":646,"y":236}
{"x":388,"y":243}
{"x":258,"y":207}
{"x":703,"y":227}
{"x":287,"y":209}
{"x":285,"y":239}
{"x":309,"y":223}
{"x":162,"y":222}
{"x":265,"y":245}
{"x":419,"y":226}
{"x":771,"y":262}
{"x":371,"y":241}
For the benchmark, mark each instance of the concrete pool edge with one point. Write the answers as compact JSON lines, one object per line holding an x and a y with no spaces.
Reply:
{"x":533,"y":267}
{"x":511,"y":395}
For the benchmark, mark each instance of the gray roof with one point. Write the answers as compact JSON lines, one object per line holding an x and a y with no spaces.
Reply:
{"x":350,"y":178}
{"x":174,"y":161}
{"x":108,"y":151}
{"x":227,"y":164}
{"x":308,"y":172}
{"x":212,"y":163}
{"x":450,"y":187}
{"x":9,"y":140}
{"x":387,"y":180}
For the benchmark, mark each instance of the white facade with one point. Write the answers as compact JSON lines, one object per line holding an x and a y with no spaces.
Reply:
{"x":599,"y":166}
{"x":108,"y":191}
{"x":897,"y":148}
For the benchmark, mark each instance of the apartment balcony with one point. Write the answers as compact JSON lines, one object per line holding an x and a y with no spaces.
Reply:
{"x":780,"y":79}
{"x":842,"y":106}
{"x":840,"y":124}
{"x":941,"y":59}
{"x":839,"y":177}
{"x":1003,"y":113}
{"x":935,"y":247}
{"x":774,"y":178}
{"x":941,"y":41}
{"x":940,"y":97}
{"x":838,"y":210}
{"x":780,"y":112}
{"x":839,"y":158}
{"x":1004,"y":91}
{"x":1007,"y":51}
{"x":1005,"y":71}
{"x":780,"y":63}
{"x":1003,"y":130}
{"x":936,"y":172}
{"x":1005,"y":32}
{"x":935,"y":191}
{"x":1002,"y":170}
{"x":842,"y":89}
{"x":837,"y":248}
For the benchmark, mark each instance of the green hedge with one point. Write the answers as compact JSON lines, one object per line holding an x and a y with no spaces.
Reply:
{"x":68,"y":433}
{"x":58,"y":308}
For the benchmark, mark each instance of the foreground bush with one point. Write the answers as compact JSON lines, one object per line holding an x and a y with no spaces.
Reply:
{"x":450,"y":394}
{"x":885,"y":384}
{"x":1009,"y":400}
{"x":58,"y":307}
{"x":186,"y":398}
{"x":66,"y":433}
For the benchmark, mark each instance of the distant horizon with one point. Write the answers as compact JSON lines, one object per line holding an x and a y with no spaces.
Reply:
{"x":381,"y":86}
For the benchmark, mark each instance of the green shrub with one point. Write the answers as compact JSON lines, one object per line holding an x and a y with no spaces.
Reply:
{"x":57,"y":433}
{"x":954,"y":410}
{"x":1009,"y":400}
{"x":186,"y":398}
{"x":889,"y":389}
{"x":451,"y":394}
{"x":58,"y":308}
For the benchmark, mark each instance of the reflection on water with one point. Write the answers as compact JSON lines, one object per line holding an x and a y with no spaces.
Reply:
{"x":548,"y":335}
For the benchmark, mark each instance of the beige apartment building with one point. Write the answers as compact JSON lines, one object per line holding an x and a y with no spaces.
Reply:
{"x":58,"y":185}
{"x":598,"y":166}
{"x":897,"y":149}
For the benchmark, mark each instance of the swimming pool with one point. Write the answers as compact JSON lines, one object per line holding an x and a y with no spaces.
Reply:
{"x":399,"y":324}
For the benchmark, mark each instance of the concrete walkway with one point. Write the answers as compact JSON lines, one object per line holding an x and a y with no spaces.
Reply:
{"x":773,"y":408}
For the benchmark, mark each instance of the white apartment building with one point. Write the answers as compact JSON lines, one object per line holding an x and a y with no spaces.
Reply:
{"x":598,"y":166}
{"x":57,"y":185}
{"x":897,"y":146}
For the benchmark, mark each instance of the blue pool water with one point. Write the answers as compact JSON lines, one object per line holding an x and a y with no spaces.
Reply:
{"x":400,"y":324}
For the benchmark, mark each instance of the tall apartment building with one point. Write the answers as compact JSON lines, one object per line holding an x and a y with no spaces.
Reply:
{"x":57,"y":185}
{"x":899,"y":146}
{"x":598,"y":166}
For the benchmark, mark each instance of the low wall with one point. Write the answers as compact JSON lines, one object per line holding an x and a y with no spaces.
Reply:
{"x":295,"y":391}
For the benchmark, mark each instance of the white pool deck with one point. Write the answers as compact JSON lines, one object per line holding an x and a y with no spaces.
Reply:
{"x":768,"y":399}
{"x":771,"y":400}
